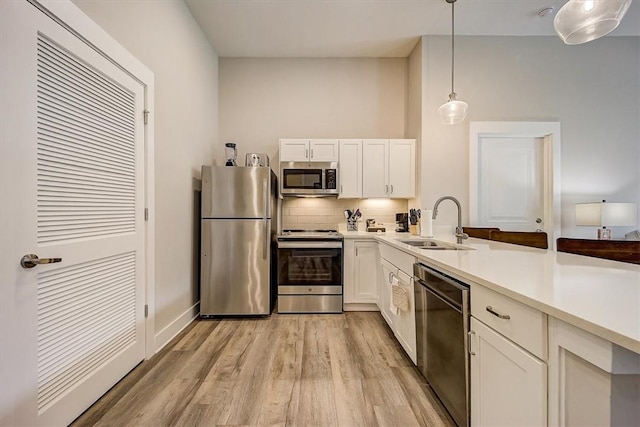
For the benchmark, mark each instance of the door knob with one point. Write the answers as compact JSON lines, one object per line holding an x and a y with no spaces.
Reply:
{"x":539,"y":220}
{"x":31,"y":260}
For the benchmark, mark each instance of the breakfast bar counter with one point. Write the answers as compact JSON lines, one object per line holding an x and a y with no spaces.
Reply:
{"x":596,"y":295}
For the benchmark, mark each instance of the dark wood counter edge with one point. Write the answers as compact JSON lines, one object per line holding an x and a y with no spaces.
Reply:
{"x":616,"y":250}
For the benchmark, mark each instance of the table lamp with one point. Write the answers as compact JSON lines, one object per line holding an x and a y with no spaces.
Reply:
{"x":603,"y":214}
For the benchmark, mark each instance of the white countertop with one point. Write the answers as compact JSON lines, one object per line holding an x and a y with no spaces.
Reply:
{"x":370,"y":235}
{"x":597,"y":295}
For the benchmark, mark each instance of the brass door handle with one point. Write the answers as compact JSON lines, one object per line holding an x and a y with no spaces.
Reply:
{"x":31,"y":260}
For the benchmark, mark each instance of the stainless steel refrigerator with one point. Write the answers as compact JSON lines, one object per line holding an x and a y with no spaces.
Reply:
{"x":238,"y":222}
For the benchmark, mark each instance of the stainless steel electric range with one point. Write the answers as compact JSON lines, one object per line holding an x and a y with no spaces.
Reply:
{"x":309,"y":271}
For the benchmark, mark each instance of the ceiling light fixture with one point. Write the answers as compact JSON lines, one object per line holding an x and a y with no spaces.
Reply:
{"x":453,"y":111}
{"x":580,"y":21}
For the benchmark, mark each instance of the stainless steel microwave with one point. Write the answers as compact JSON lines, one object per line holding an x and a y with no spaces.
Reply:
{"x":309,"y":179}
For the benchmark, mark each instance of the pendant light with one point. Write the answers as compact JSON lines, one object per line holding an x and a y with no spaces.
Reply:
{"x":580,"y":21}
{"x":453,"y":111}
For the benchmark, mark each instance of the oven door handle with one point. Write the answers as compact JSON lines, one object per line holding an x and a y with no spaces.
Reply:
{"x":310,"y":245}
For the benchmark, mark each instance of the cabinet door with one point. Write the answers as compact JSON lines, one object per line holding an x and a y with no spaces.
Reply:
{"x":402,"y":169}
{"x":365,"y":276}
{"x":323,"y":150}
{"x":591,"y":380}
{"x":405,"y":327}
{"x":375,"y":171}
{"x":388,"y":270}
{"x":294,"y":150}
{"x":508,"y":385}
{"x":349,"y":271}
{"x":350,"y":168}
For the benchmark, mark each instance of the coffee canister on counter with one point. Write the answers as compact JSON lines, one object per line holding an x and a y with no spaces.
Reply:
{"x":256,"y":159}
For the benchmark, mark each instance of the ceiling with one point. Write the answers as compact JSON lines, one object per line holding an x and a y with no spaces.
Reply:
{"x":366,"y":28}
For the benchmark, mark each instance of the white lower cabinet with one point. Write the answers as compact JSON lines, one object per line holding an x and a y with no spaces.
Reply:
{"x":360,"y":273}
{"x":397,"y":269}
{"x":405,"y":327}
{"x":508,"y":349}
{"x":592,"y":382}
{"x":508,"y":384}
{"x":388,"y":271}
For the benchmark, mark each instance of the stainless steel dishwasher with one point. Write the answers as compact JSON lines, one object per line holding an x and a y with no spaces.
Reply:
{"x":442,"y":324}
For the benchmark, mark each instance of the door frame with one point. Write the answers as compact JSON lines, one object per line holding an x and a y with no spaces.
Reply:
{"x":550,"y":134}
{"x":69,"y":16}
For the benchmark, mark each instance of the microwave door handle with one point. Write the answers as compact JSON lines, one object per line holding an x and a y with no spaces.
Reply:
{"x":265,"y":190}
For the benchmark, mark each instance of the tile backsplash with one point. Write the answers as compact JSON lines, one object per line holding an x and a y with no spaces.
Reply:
{"x":326,"y":213}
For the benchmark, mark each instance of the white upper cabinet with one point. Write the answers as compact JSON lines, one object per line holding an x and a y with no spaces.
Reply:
{"x":323,"y":150}
{"x":402,"y":168}
{"x":294,"y":150}
{"x":350,"y":165}
{"x":388,"y":168}
{"x":375,"y":168}
{"x":308,"y":150}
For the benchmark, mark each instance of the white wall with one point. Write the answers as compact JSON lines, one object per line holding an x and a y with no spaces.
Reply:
{"x":414,"y":115}
{"x":592,"y":89}
{"x":265,"y":99}
{"x":164,"y":36}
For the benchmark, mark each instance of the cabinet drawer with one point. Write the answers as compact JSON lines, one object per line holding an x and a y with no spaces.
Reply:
{"x":400,"y":259}
{"x":310,"y":290}
{"x":525,"y":326}
{"x":309,"y":304}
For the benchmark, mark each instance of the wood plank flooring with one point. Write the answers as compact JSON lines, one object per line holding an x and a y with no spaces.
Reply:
{"x":285,"y":370}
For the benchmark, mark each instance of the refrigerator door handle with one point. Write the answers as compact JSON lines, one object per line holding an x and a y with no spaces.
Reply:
{"x":265,"y":215}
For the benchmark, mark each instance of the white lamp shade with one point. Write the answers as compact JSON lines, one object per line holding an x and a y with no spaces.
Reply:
{"x":606,"y":214}
{"x":580,"y":21}
{"x":453,"y":112}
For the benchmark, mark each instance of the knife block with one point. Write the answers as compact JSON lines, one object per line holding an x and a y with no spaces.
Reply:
{"x":414,"y":229}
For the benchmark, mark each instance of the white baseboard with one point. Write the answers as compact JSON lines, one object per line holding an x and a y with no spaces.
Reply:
{"x":163,"y":337}
{"x":360,"y":307}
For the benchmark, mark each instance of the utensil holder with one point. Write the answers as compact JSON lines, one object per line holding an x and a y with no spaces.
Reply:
{"x":352,"y":225}
{"x":414,"y":229}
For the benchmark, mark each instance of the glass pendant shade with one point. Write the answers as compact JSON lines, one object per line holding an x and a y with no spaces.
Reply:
{"x":580,"y":21}
{"x":453,"y":111}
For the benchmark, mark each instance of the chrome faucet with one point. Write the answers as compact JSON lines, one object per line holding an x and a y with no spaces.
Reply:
{"x":459,"y":233}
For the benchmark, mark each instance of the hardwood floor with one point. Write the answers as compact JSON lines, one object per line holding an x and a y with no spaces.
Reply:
{"x":285,"y":370}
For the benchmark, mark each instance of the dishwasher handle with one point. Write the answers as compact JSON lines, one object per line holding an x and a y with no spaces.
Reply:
{"x":434,"y":292}
{"x":448,"y":289}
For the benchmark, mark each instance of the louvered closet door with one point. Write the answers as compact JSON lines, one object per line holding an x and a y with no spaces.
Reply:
{"x":72,"y":187}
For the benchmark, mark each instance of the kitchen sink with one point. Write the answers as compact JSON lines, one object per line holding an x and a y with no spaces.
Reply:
{"x":431,"y":245}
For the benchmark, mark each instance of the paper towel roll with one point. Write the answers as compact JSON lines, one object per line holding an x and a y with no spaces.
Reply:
{"x":426,"y":222}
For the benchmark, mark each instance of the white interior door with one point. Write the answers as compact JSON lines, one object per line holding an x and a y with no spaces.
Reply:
{"x":510,"y":174}
{"x":72,"y":163}
{"x":510,"y":183}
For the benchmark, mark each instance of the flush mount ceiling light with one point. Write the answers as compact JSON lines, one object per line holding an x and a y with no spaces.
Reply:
{"x":453,"y":111}
{"x":580,"y":21}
